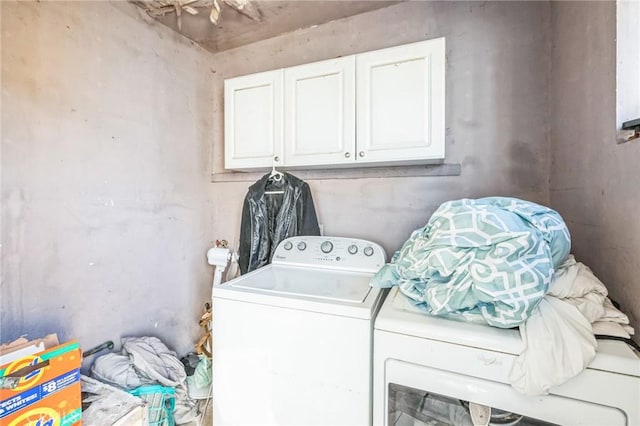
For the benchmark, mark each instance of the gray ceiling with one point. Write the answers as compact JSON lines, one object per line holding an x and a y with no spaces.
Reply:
{"x":278,"y":17}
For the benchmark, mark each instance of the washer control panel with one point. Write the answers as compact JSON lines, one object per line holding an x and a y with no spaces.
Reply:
{"x":334,"y":252}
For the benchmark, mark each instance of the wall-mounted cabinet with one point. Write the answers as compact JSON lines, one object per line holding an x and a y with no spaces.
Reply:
{"x":320,"y":111}
{"x":400,"y":103}
{"x":253,"y":120}
{"x":376,"y":108}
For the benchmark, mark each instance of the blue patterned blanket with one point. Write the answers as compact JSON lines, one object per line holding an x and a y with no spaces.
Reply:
{"x":488,"y":260}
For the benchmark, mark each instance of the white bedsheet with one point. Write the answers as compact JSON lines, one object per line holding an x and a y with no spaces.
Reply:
{"x":558,"y":337}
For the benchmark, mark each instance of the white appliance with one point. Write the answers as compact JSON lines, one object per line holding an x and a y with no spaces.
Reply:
{"x":428,"y":369}
{"x":292,"y":341}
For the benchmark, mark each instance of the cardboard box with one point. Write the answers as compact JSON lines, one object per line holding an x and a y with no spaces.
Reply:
{"x":42,"y":389}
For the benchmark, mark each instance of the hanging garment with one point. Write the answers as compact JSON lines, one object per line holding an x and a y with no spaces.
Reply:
{"x":269,"y":218}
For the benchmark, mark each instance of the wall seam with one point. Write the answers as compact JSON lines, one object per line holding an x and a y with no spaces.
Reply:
{"x":550,"y":144}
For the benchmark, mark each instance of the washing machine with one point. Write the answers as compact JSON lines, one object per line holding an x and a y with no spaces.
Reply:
{"x":430,"y":370}
{"x":292,"y":341}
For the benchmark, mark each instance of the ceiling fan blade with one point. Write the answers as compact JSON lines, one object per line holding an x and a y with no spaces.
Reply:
{"x":200,"y":3}
{"x":190,"y":10}
{"x":247,"y":8}
{"x":160,"y":11}
{"x":214,"y":15}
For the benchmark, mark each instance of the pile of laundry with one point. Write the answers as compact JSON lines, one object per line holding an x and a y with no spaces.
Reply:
{"x":506,"y":262}
{"x":147,"y":361}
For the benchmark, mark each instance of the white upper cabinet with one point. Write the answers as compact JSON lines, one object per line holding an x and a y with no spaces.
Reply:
{"x":319,"y":107}
{"x":253,"y":120}
{"x":375,"y":108}
{"x":401,"y":103}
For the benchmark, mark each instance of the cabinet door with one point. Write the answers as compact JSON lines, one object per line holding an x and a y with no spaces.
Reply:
{"x":401,"y":99}
{"x":253,"y":120}
{"x":320,"y":113}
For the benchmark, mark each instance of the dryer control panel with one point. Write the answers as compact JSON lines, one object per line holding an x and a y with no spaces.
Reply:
{"x":332,"y":252}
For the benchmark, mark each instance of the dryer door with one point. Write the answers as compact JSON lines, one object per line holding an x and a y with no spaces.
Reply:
{"x":417,"y":395}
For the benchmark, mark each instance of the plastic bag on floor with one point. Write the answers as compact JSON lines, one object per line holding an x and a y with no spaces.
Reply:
{"x":199,"y":382}
{"x":108,"y":404}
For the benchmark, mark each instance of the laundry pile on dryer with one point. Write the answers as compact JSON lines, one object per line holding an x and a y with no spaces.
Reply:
{"x":506,"y":262}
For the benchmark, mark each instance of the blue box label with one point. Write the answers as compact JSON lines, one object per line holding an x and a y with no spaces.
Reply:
{"x":35,"y":394}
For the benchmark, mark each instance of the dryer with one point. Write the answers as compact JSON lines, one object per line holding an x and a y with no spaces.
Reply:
{"x":292,"y":341}
{"x":430,"y":370}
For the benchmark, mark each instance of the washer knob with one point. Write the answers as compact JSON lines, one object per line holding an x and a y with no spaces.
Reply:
{"x":288,"y":245}
{"x":326,"y":247}
{"x":302,"y":245}
{"x":368,"y":251}
{"x":352,"y":249}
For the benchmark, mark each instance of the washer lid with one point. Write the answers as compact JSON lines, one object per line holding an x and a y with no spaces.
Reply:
{"x":325,"y":284}
{"x":321,"y":290}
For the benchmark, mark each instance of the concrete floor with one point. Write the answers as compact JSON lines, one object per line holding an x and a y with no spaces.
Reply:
{"x":208,"y":416}
{"x":204,"y":406}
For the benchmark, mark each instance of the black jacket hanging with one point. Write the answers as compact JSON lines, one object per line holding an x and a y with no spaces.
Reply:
{"x":267,"y":219}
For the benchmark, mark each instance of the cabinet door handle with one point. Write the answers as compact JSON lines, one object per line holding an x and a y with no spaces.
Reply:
{"x":347,"y":154}
{"x":361,"y":153}
{"x":276,"y":158}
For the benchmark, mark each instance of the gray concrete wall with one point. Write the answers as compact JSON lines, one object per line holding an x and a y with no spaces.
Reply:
{"x":627,"y":62}
{"x":111,"y":128}
{"x":497,"y":112}
{"x":106,"y":147}
{"x":594,"y":180}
